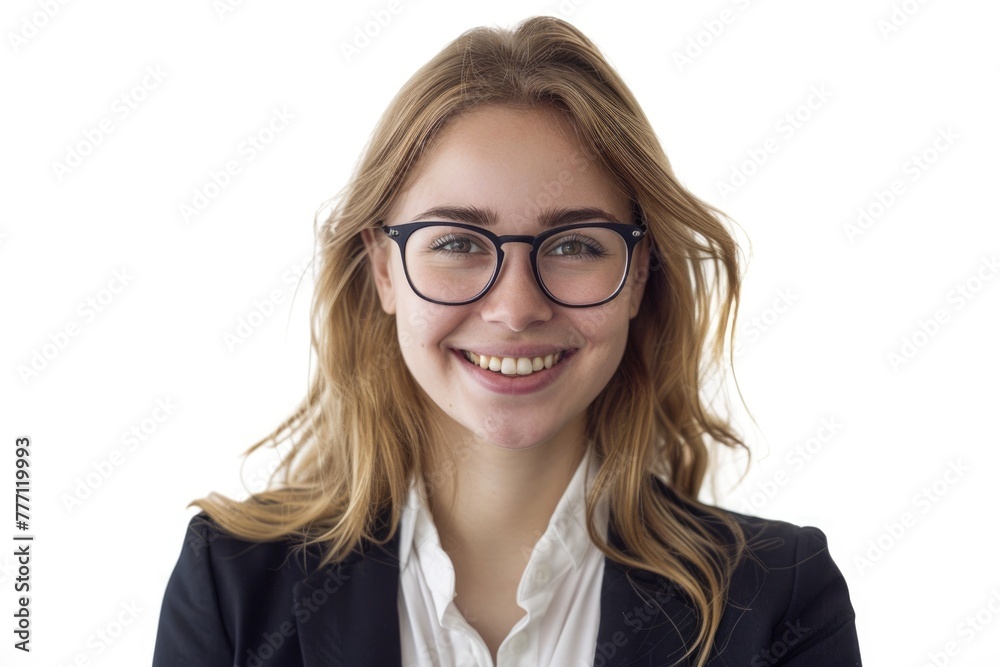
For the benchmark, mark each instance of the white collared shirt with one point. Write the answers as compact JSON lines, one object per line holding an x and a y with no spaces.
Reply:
{"x":560,"y":590}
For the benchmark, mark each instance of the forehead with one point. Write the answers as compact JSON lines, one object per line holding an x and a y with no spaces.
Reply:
{"x":517,"y":163}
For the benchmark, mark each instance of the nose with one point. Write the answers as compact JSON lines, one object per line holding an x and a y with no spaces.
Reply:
{"x":516,"y":299}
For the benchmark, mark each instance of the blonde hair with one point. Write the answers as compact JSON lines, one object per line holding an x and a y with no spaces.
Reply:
{"x":361,"y":433}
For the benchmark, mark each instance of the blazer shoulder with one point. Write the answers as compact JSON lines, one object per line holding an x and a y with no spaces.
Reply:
{"x":772,"y":543}
{"x":803,"y":594}
{"x":224,"y":590}
{"x":205,"y":535}
{"x":796,"y":594}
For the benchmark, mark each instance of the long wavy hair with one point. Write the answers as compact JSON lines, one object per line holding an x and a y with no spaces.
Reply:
{"x":361,"y":434}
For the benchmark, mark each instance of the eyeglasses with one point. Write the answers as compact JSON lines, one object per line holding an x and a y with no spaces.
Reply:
{"x":577,"y":266}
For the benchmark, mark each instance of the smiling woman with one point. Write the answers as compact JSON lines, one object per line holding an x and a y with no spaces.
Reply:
{"x":499,"y":460}
{"x":511,"y":306}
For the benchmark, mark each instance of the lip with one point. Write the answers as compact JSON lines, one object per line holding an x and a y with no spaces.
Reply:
{"x":516,"y":385}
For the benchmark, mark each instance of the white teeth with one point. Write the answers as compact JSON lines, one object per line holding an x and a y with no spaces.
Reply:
{"x":513,"y":365}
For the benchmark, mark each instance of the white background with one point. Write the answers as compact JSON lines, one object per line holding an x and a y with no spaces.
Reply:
{"x":854,"y":300}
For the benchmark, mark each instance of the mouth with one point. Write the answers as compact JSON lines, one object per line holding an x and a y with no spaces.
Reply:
{"x":515,"y":365}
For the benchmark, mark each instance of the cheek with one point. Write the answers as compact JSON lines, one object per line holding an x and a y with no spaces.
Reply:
{"x":603,"y":325}
{"x":423,"y":325}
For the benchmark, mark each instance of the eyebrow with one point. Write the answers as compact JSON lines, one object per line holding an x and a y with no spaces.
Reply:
{"x":485,"y":217}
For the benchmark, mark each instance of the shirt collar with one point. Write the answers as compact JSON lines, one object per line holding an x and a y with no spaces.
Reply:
{"x":566,"y":534}
{"x":568,"y":525}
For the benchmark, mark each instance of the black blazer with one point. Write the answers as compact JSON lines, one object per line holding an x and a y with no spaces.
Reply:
{"x":232,"y":603}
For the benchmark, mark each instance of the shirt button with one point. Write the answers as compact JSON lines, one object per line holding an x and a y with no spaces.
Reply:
{"x":542,"y":574}
{"x":518,"y":643}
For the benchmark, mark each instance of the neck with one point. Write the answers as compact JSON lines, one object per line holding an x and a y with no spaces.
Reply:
{"x":492,"y":500}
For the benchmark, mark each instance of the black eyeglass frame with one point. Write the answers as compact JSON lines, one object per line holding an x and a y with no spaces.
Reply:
{"x":630,"y":233}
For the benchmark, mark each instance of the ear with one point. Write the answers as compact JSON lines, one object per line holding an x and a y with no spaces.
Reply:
{"x":379,"y":257}
{"x":640,"y":265}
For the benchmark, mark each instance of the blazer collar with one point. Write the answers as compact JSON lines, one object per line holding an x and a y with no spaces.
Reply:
{"x":645,"y":619}
{"x":347,"y":613}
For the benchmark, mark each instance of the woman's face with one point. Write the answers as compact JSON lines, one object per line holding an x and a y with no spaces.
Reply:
{"x":515,"y":165}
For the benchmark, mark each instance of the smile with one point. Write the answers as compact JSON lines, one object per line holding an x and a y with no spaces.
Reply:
{"x":513,"y":365}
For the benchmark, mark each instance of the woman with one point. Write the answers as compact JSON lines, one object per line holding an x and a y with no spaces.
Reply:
{"x":499,"y":460}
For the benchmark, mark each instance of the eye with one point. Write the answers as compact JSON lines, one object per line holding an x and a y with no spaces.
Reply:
{"x":459,"y":244}
{"x":578,"y":246}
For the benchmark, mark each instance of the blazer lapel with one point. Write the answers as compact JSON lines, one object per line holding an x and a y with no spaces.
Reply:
{"x":347,"y":615}
{"x":645,"y":619}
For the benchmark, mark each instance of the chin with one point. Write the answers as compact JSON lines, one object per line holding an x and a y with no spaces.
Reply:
{"x":528,"y":443}
{"x":512,"y":435}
